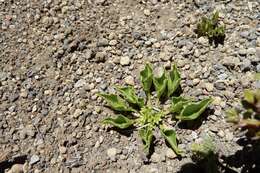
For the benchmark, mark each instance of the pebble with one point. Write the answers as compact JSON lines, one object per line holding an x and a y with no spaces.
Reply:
{"x":231,"y":61}
{"x":17,"y":168}
{"x":156,"y":158}
{"x":34,"y":159}
{"x":124,"y":60}
{"x":129,"y":80}
{"x":170,"y":153}
{"x":147,"y":12}
{"x":111,"y":152}
{"x":221,"y":133}
{"x":63,"y":150}
{"x":209,"y":87}
{"x":77,"y":113}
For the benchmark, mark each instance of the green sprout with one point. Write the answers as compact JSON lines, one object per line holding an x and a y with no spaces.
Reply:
{"x":140,"y":113}
{"x":210,"y":28}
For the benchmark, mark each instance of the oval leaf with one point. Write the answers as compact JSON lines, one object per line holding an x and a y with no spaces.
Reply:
{"x":116,"y":102}
{"x":160,"y":84}
{"x":147,"y":136}
{"x":146,"y":76}
{"x":193,"y":110}
{"x":170,"y":137}
{"x":173,"y":80}
{"x":129,"y":94}
{"x":120,"y":122}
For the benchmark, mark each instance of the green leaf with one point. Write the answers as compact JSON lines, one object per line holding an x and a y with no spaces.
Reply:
{"x":116,"y":102}
{"x":170,"y":137}
{"x":257,"y":76}
{"x":249,"y":96}
{"x":147,"y":136}
{"x":215,"y":17}
{"x":193,"y":110}
{"x":120,"y":121}
{"x":129,"y":94}
{"x":232,"y":115}
{"x":160,"y":84}
{"x":173,"y":81}
{"x":178,"y":104}
{"x":147,"y":78}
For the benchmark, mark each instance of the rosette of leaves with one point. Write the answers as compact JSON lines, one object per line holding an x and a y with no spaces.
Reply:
{"x":249,"y":116}
{"x":210,"y":28}
{"x":140,"y":113}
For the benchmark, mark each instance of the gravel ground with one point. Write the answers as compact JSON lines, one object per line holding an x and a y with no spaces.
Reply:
{"x":55,"y":55}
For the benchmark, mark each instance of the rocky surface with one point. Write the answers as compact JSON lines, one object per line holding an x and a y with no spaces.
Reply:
{"x":55,"y":55}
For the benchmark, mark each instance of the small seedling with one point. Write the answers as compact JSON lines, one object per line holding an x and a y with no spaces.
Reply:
{"x":249,"y":116}
{"x":143,"y":115}
{"x":210,"y":28}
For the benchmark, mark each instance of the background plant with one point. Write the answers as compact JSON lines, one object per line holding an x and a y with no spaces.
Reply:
{"x":210,"y":28}
{"x":144,"y":115}
{"x":249,"y":116}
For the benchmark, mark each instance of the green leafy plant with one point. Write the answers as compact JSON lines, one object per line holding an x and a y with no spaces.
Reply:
{"x":249,"y":116}
{"x":210,"y":28}
{"x":146,"y":114}
{"x":205,"y":156}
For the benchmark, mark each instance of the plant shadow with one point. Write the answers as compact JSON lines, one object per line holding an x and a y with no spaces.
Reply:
{"x":9,"y":163}
{"x":217,"y":40}
{"x":210,"y":164}
{"x":125,"y":132}
{"x":195,"y":124}
{"x":248,"y":158}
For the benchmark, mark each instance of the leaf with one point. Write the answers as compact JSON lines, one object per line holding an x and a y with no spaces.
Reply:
{"x":193,"y":110}
{"x":257,"y":76}
{"x":160,"y":84}
{"x":170,"y":137}
{"x":116,"y":102}
{"x":146,"y":76}
{"x":215,"y":17}
{"x":147,"y":136}
{"x":232,"y":115}
{"x":249,"y":96}
{"x":173,"y":81}
{"x":120,"y":121}
{"x":178,"y":104}
{"x":129,"y":94}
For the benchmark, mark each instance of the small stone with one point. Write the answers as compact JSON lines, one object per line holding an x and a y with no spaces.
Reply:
{"x":203,"y":41}
{"x":124,"y":60}
{"x":113,"y":42}
{"x":170,"y":153}
{"x":231,"y":61}
{"x":111,"y":152}
{"x":79,"y":72}
{"x":258,"y":52}
{"x":209,"y":87}
{"x":258,"y":68}
{"x":23,"y":93}
{"x":229,"y":136}
{"x":147,"y":12}
{"x":77,"y":113}
{"x":155,"y":158}
{"x":34,"y":159}
{"x":213,"y":129}
{"x":195,"y":81}
{"x":221,"y":134}
{"x":17,"y":168}
{"x":63,"y":150}
{"x":129,"y":80}
{"x":246,"y":64}
{"x":80,"y":83}
{"x":100,"y":57}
